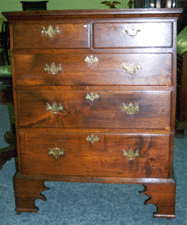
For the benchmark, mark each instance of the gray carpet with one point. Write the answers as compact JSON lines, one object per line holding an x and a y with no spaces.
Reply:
{"x":90,"y":204}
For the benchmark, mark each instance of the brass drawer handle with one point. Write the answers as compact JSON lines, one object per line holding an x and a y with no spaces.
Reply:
{"x":92,"y":96}
{"x":53,"y":69}
{"x":131,"y":31}
{"x":130,"y":154}
{"x":130,"y":69}
{"x":54,"y":108}
{"x":56,"y":152}
{"x":50,"y":31}
{"x":91,"y":59}
{"x":92,"y":139}
{"x":130,"y":109}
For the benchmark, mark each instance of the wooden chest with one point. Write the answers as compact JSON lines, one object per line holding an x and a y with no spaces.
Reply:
{"x":94,"y":94}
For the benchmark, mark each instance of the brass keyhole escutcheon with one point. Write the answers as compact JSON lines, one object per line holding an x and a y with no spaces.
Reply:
{"x":130,"y":109}
{"x":131,"y":154}
{"x":56,"y":152}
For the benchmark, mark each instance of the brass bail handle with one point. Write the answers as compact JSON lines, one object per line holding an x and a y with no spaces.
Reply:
{"x":131,"y":154}
{"x":92,"y":96}
{"x":91,"y":59}
{"x":50,"y":31}
{"x":130,"y":69}
{"x":131,"y":31}
{"x":54,"y":108}
{"x":92,"y":138}
{"x":130,"y":109}
{"x":53,"y":69}
{"x":56,"y":152}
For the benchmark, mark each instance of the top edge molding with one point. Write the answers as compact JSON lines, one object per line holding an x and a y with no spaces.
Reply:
{"x":49,"y":14}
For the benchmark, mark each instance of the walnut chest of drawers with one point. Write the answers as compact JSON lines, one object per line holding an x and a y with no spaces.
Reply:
{"x":94,"y":94}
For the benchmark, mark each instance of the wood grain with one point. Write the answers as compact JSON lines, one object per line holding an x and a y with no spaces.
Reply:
{"x":109,"y":70}
{"x":104,"y":112}
{"x":101,"y":158}
{"x":149,"y":131}
{"x":148,"y":35}
{"x":162,"y":195}
{"x":69,"y":36}
{"x":26,"y":192}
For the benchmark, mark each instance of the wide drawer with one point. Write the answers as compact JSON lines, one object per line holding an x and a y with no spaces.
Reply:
{"x":98,"y":109}
{"x":122,"y":35}
{"x":45,"y":35}
{"x":96,"y":69}
{"x":127,"y":155}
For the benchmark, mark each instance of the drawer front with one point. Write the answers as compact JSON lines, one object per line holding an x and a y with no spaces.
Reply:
{"x":98,"y":69}
{"x":98,"y":109}
{"x":51,"y":36}
{"x":123,"y":35}
{"x":109,"y":155}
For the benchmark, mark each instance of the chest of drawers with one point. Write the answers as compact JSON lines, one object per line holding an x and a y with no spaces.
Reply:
{"x":94,"y":95}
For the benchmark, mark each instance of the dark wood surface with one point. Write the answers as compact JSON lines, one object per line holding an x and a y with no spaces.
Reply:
{"x":69,"y":36}
{"x":26,"y":191}
{"x":9,"y":152}
{"x":109,"y":70}
{"x":6,"y":98}
{"x":161,"y":192}
{"x":72,"y":14}
{"x":145,"y":37}
{"x":83,"y":158}
{"x":163,"y":196}
{"x":182,"y":99}
{"x":118,"y":37}
{"x":183,"y":115}
{"x":182,"y":126}
{"x":104,"y":112}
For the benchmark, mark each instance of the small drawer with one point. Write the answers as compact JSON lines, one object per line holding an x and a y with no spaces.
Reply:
{"x":75,"y":35}
{"x":94,"y":109}
{"x":127,"y":35}
{"x":93,"y":69}
{"x":95,"y":154}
